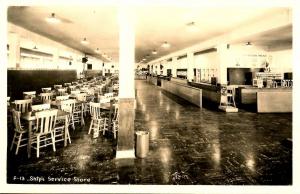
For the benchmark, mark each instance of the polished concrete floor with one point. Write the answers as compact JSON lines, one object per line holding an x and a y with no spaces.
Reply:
{"x":188,"y":145}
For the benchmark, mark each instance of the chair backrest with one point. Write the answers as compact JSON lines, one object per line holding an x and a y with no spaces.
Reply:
{"x":40,"y":107}
{"x":29,"y":94}
{"x":67,"y":84}
{"x":95,"y":110}
{"x":59,"y":98}
{"x":109,"y":95}
{"x":46,"y":97}
{"x":45,"y":121}
{"x":57,"y":86}
{"x":16,"y":118}
{"x":72,"y":88}
{"x":46,"y":90}
{"x":104,"y":100}
{"x":61,"y":91}
{"x":81,"y":97}
{"x":23,"y":105}
{"x":75,"y":92}
{"x":67,"y":105}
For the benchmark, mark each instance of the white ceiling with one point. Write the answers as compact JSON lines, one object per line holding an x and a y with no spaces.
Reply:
{"x":154,"y":25}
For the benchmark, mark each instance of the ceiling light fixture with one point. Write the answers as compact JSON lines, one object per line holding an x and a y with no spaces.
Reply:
{"x":191,"y":26}
{"x":52,"y":19}
{"x":165,"y":45}
{"x":248,"y":44}
{"x":154,"y":52}
{"x":84,"y":41}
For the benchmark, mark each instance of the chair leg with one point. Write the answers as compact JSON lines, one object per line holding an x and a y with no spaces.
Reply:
{"x":13,"y":142}
{"x":38,"y":146}
{"x":68,"y":135}
{"x":18,"y":145}
{"x":92,"y":122}
{"x":53,"y":142}
{"x":73,"y":125}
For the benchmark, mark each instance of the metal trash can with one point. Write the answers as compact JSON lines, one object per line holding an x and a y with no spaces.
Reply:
{"x":141,"y":144}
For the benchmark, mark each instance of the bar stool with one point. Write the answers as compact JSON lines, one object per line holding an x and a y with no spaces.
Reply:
{"x":230,"y":96}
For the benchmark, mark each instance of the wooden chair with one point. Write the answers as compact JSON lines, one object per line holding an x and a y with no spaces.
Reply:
{"x":46,"y":97}
{"x":46,"y":90}
{"x":67,"y":84}
{"x":68,"y":106}
{"x":79,"y":108}
{"x":23,"y":105}
{"x":40,"y":107}
{"x":59,"y":131}
{"x":75,"y":92}
{"x":109,"y":95}
{"x":115,"y":121}
{"x":45,"y":122}
{"x":57,"y":87}
{"x":61,"y":91}
{"x":72,"y":88}
{"x":19,"y":136}
{"x":98,"y":122}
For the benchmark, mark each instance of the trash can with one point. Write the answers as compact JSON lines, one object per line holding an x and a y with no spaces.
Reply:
{"x":141,"y":144}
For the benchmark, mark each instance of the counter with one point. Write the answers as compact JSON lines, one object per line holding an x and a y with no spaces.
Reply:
{"x":191,"y":94}
{"x":152,"y":80}
{"x":209,"y":92}
{"x":266,"y":99}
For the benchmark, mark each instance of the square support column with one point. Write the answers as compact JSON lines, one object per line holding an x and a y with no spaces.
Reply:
{"x":125,"y":146}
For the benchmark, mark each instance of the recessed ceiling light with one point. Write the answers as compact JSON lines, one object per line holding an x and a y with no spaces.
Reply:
{"x":154,"y":52}
{"x":52,"y":19}
{"x":84,"y":41}
{"x":97,"y":50}
{"x":165,"y":45}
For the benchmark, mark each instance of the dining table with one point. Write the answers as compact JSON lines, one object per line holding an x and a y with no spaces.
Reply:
{"x":30,"y":118}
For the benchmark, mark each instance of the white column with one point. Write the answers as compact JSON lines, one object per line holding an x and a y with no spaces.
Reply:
{"x":127,"y":52}
{"x":222,"y":68}
{"x":56,"y":58}
{"x":190,"y":66}
{"x":174,"y":67}
{"x":125,"y":145}
{"x":14,"y":51}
